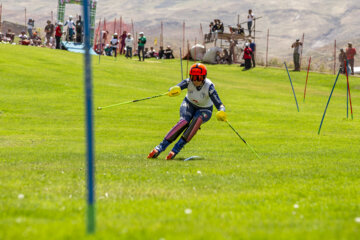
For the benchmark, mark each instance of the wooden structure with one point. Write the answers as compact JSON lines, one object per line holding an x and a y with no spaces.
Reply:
{"x":224,"y":40}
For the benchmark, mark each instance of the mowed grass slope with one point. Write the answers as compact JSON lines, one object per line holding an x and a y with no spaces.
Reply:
{"x":305,"y":186}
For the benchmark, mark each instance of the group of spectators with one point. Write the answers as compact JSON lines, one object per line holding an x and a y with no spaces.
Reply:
{"x":53,"y":34}
{"x":125,"y":43}
{"x":217,"y":26}
{"x":347,"y":58}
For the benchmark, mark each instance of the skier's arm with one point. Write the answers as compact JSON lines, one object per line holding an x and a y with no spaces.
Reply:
{"x":183,"y":84}
{"x":215,"y":98}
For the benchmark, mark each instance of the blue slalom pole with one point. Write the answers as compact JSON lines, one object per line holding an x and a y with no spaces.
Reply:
{"x":182,"y":76}
{"x":332,"y":90}
{"x":292,"y":86}
{"x":89,"y":122}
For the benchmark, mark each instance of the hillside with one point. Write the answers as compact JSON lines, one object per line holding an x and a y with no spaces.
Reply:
{"x":322,"y":21}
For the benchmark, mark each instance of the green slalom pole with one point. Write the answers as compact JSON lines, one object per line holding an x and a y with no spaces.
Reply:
{"x":133,"y":101}
{"x":249,"y":146}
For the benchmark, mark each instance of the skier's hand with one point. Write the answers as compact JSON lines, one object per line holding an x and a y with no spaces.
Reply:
{"x":221,"y":116}
{"x":174,"y":91}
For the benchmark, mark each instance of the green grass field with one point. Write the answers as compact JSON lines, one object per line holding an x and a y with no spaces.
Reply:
{"x":305,"y":186}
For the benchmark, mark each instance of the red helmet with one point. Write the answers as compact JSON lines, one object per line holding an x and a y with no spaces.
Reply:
{"x":198,"y":72}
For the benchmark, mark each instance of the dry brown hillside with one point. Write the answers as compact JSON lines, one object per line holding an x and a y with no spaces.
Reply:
{"x":321,"y":21}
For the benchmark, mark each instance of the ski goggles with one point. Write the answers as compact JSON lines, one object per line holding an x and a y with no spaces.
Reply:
{"x":197,"y":78}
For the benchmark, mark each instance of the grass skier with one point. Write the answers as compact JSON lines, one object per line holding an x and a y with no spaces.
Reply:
{"x":195,"y":110}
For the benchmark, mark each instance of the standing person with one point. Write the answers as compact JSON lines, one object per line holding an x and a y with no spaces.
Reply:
{"x":350,"y":53}
{"x":30,"y":26}
{"x":195,"y":110}
{"x":253,"y":49}
{"x":58,"y":34}
{"x":123,"y":37}
{"x":114,"y":44}
{"x":342,"y":60}
{"x":71,"y":25}
{"x":79,"y":30}
{"x":141,"y":45}
{"x":247,"y":56}
{"x":232,"y":50}
{"x":297,"y":50}
{"x":49,"y":30}
{"x":129,"y":42}
{"x":250,"y":19}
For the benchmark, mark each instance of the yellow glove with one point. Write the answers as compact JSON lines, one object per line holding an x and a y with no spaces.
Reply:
{"x":221,"y":116}
{"x":174,"y":91}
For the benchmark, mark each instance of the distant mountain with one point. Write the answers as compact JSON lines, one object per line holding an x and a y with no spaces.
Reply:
{"x":322,"y":21}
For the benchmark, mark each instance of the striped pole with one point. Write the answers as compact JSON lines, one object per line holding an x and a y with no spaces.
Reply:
{"x":307,"y":75}
{"x":332,"y":90}
{"x":89,"y":122}
{"x":292,"y":87}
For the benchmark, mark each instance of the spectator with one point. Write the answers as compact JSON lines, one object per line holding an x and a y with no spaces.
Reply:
{"x":342,"y":60}
{"x":71,"y":25}
{"x":58,"y":34}
{"x":247,"y":56}
{"x":253,"y":49}
{"x":108,"y":50}
{"x":1,"y":36}
{"x":240,"y":30}
{"x":168,"y":53}
{"x":104,"y":37}
{"x":221,"y":28}
{"x":146,"y":51}
{"x":129,"y":42}
{"x":152,"y":52}
{"x":10,"y":36}
{"x":232,"y":50}
{"x":226,"y":58}
{"x":297,"y":49}
{"x":350,"y":53}
{"x":30,"y":26}
{"x":79,"y":30}
{"x":36,"y":40}
{"x":49,"y":30}
{"x":161,"y":53}
{"x":122,"y":38}
{"x":114,"y":44}
{"x":23,"y":39}
{"x":141,"y":46}
{"x":250,"y":19}
{"x":218,"y":57}
{"x":208,"y":36}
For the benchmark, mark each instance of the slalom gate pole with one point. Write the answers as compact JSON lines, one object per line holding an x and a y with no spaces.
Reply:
{"x":348,"y":95}
{"x":292,"y":87}
{"x":101,"y":36}
{"x":89,"y":123}
{"x":307,"y":75}
{"x":243,"y":140}
{"x":332,"y":90}
{"x":182,"y":76}
{"x":132,"y":101}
